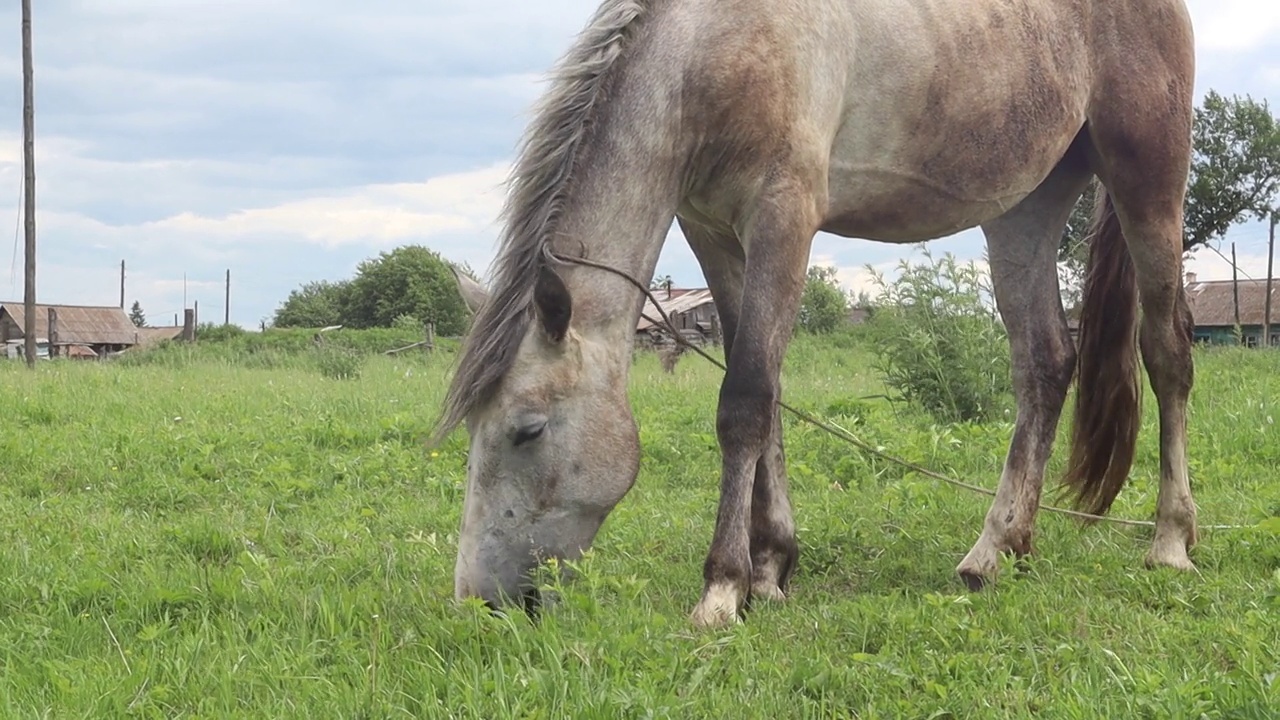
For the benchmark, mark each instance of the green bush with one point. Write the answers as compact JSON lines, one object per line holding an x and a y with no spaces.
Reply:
{"x":338,"y":363}
{"x":939,"y":342}
{"x":824,"y":307}
{"x":409,"y":281}
{"x":314,"y":305}
{"x":218,"y":332}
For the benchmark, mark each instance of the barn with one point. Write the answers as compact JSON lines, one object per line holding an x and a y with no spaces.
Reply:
{"x":81,"y":331}
{"x":1213,"y":307}
{"x":692,"y":311}
{"x":1213,"y":311}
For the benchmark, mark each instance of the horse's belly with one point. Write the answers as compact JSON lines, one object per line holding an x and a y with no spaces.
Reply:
{"x":950,"y":119}
{"x":910,"y":200}
{"x":905,"y":212}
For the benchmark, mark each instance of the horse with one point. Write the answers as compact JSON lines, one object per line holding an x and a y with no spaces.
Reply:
{"x":755,"y":124}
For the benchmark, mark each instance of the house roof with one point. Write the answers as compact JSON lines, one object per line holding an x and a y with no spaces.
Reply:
{"x":148,"y":335}
{"x":78,"y":324}
{"x":681,"y":301}
{"x":1213,"y":305}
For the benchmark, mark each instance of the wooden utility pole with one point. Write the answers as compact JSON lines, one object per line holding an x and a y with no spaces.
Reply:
{"x":1271,"y":256}
{"x":1235,"y":289}
{"x":53,"y":333}
{"x":226,"y":315}
{"x":121,"y":284}
{"x":29,"y":189}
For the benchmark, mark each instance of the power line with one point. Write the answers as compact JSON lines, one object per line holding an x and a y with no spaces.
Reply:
{"x":1232,"y":264}
{"x":17,"y":235}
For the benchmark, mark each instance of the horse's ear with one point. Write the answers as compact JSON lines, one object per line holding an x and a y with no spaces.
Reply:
{"x":553,"y":304}
{"x":473,"y":293}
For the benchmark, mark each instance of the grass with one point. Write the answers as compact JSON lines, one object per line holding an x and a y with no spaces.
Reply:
{"x":205,"y":537}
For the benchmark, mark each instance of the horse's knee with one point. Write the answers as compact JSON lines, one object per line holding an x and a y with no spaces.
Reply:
{"x":1060,"y":363}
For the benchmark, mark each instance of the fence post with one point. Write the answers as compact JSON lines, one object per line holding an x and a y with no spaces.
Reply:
{"x":431,"y":338}
{"x":53,"y":333}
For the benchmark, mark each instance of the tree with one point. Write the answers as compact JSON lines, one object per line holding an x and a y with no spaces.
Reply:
{"x":465,"y":268}
{"x":136,"y":315}
{"x":409,"y":280}
{"x":315,"y":304}
{"x":1073,"y":250}
{"x":1235,"y":169}
{"x":660,"y":282}
{"x":1235,"y":176}
{"x":824,"y":307}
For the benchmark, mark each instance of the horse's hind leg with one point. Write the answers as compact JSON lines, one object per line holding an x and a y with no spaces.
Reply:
{"x":1143,"y":151}
{"x":772,"y":531}
{"x":1023,"y":247}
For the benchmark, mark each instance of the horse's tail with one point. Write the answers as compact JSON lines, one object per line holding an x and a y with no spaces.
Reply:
{"x":1108,"y":394}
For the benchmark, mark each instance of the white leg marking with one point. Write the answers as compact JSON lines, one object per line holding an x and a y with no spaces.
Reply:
{"x":1175,"y":519}
{"x":718,"y":607}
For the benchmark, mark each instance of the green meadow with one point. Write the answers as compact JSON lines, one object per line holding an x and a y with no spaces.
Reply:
{"x":243,"y":531}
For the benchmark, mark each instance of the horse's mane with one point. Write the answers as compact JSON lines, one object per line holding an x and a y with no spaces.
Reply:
{"x":539,"y":188}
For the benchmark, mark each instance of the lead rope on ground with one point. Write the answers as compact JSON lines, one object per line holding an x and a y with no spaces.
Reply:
{"x":841,"y":433}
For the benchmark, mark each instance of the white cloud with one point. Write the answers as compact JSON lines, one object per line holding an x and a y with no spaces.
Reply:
{"x":374,"y":215}
{"x":862,"y":278}
{"x":858,"y":278}
{"x":1234,"y":26}
{"x":1270,"y":77}
{"x":1209,"y":265}
{"x":378,"y":215}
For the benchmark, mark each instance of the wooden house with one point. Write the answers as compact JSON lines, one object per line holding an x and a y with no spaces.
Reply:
{"x":1213,"y":307}
{"x":692,"y":311}
{"x":81,"y":331}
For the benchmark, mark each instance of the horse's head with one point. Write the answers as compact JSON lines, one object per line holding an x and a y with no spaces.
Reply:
{"x":553,"y":449}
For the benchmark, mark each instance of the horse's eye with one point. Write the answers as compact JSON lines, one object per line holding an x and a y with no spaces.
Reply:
{"x":530,"y":431}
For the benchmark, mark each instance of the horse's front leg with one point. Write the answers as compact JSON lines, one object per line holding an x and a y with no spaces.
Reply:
{"x":772,"y":533}
{"x":754,"y":518}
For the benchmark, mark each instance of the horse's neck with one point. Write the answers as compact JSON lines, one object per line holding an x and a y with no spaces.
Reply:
{"x":619,"y":214}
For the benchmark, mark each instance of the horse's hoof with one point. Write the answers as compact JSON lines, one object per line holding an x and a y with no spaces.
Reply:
{"x":719,"y":607}
{"x":1173,"y":556}
{"x":767,"y":591}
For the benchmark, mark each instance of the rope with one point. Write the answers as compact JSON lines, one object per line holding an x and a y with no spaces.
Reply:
{"x":839,"y":432}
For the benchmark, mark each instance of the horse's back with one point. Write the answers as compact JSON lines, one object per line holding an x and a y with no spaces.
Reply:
{"x":931,"y":116}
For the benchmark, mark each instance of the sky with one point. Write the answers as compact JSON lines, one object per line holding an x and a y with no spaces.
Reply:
{"x":287,"y":141}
